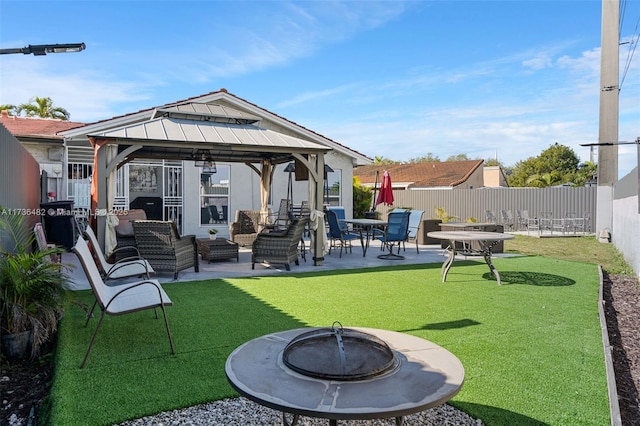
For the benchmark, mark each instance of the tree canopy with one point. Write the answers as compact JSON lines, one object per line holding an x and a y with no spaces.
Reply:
{"x":556,"y":165}
{"x":42,"y":108}
{"x":379,"y":160}
{"x":458,"y":157}
{"x":429,"y":158}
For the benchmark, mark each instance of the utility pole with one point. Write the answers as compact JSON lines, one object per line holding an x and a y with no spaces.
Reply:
{"x":608,"y":120}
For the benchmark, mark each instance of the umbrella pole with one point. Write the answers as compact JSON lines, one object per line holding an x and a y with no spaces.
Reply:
{"x":375,"y":187}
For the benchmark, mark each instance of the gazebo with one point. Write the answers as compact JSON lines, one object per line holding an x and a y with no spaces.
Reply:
{"x":200,"y":131}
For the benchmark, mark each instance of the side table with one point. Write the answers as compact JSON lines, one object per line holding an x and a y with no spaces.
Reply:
{"x":218,"y":249}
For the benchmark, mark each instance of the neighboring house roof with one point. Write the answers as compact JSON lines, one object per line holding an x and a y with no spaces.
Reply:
{"x":36,"y":128}
{"x":212,"y":98}
{"x":435,"y":174}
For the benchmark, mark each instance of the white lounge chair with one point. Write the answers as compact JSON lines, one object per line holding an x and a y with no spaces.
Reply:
{"x":120,"y":299}
{"x":415,"y":219}
{"x":124,"y":268}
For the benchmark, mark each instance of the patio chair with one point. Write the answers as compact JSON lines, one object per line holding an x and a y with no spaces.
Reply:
{"x":160,"y":244}
{"x":280,"y":220}
{"x":573,"y":223}
{"x":531,"y":223}
{"x":546,"y":221}
{"x":215,"y":214}
{"x":340,"y":212}
{"x":244,"y":230}
{"x":41,"y":239}
{"x":337,"y":235}
{"x":124,"y":235}
{"x":133,"y":266}
{"x":395,"y":233}
{"x":490,"y":217}
{"x":522,"y":217}
{"x":278,"y":247}
{"x":415,"y":219}
{"x":205,"y":215}
{"x":507,"y":219}
{"x":120,"y":299}
{"x":587,"y":222}
{"x":81,"y":219}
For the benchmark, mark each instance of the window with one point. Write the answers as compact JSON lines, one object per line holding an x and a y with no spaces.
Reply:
{"x":332,"y":192}
{"x":214,"y":196}
{"x":79,"y":184}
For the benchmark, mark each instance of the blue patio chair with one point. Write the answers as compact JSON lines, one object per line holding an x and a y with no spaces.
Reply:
{"x":340,"y":213}
{"x":396,"y":232}
{"x":337,"y":235}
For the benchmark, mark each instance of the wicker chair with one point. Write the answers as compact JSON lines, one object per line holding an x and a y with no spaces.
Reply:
{"x":160,"y":244}
{"x":244,"y":230}
{"x":279,"y":247}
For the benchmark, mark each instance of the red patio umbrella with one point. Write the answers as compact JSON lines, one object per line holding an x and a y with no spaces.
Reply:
{"x":386,"y":193}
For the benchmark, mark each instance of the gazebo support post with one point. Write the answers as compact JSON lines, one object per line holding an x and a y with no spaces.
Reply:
{"x":318,"y":177}
{"x":100,"y":196}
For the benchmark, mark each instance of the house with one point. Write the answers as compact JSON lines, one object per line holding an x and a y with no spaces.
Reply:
{"x":494,"y":177}
{"x":40,"y":137}
{"x":198,"y":193}
{"x":431,"y":175}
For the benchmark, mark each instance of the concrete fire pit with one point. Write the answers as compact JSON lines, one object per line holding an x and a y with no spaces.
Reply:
{"x":423,"y":375}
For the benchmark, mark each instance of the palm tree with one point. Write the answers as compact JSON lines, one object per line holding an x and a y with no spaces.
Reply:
{"x":544,"y":180}
{"x":11,"y":109}
{"x":43,"y":108}
{"x":381,"y":160}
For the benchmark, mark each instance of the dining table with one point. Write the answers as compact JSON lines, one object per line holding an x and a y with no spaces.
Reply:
{"x":485,"y":241}
{"x":366,"y":228}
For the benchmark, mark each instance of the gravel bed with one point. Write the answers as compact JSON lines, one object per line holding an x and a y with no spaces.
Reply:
{"x":243,"y":412}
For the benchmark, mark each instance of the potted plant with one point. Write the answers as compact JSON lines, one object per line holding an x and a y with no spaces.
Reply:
{"x":32,"y":290}
{"x":212,"y":233}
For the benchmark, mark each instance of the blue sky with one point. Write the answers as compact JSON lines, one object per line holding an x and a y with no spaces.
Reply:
{"x":393,"y":79}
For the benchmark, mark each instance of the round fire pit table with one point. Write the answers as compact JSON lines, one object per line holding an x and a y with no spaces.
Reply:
{"x":424,"y":376}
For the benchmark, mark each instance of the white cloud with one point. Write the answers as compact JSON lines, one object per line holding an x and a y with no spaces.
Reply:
{"x":539,"y":62}
{"x":87,"y":94}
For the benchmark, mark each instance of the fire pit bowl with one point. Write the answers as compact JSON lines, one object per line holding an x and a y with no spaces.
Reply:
{"x":338,"y":353}
{"x":406,"y":374}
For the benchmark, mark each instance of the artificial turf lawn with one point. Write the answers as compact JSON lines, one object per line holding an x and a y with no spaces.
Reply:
{"x":531,"y":348}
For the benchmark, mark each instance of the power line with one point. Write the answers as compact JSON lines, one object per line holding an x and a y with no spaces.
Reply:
{"x":635,"y":37}
{"x":632,"y":49}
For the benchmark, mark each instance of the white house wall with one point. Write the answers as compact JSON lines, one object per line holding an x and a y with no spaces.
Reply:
{"x":626,"y":219}
{"x":626,"y":230}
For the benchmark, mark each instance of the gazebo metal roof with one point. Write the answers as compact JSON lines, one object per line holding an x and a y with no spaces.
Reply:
{"x":188,"y":131}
